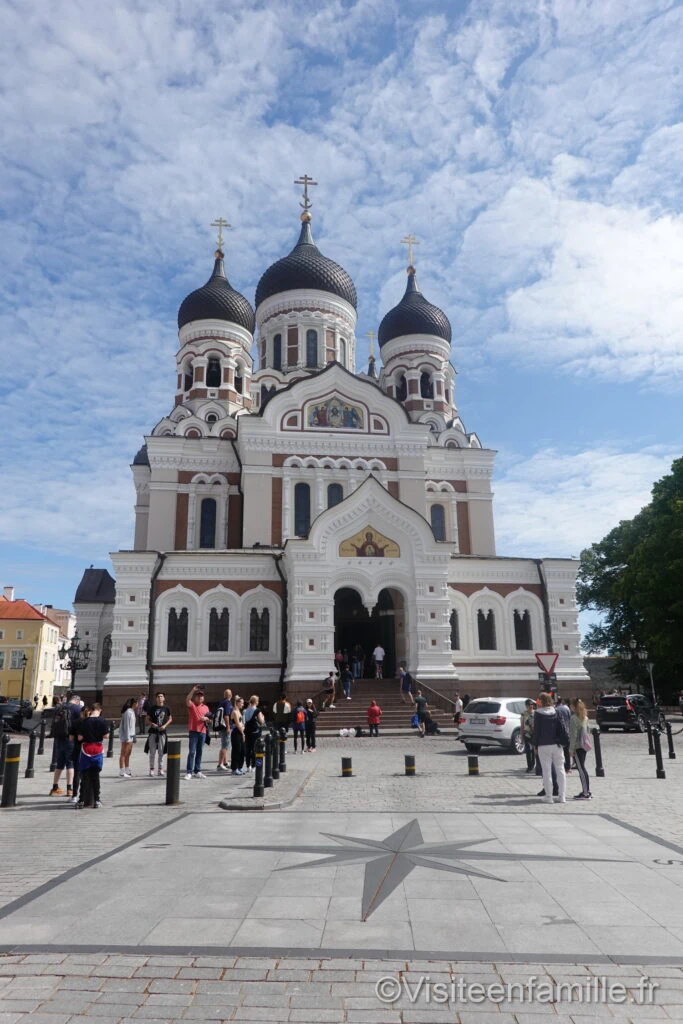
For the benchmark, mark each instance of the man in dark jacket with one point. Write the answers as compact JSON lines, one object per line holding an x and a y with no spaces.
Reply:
{"x":564,"y":714}
{"x":548,"y":741}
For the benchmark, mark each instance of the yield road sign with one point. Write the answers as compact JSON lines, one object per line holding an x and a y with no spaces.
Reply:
{"x":547,"y":662}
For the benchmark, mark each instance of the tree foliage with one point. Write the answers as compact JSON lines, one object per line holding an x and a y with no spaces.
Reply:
{"x":634,"y":577}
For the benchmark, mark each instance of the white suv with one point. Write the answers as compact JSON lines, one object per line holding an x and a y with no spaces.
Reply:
{"x":493,"y":722}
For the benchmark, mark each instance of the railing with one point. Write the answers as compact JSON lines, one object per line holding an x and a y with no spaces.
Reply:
{"x":438,"y":700}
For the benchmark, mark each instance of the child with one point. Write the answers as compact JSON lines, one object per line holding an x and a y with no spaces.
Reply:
{"x":374,"y":718}
{"x":299,"y":724}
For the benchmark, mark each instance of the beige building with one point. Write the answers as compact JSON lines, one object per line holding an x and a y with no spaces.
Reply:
{"x":29,"y":650}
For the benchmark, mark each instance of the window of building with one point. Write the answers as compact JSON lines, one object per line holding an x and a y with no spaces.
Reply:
{"x":212,"y":418}
{"x":2,"y":660}
{"x":335,"y":494}
{"x":522,"y":622}
{"x":277,"y":352}
{"x":486,"y":625}
{"x":188,"y":378}
{"x":177,"y":629}
{"x":2,"y":634}
{"x":438,"y":517}
{"x":447,"y":396}
{"x":213,"y":373}
{"x":239,"y":382}
{"x":259,"y":630}
{"x":311,"y":348}
{"x":455,"y":631}
{"x":20,"y":634}
{"x":45,"y":662}
{"x":426,"y":386}
{"x":207,"y":523}
{"x":219,"y":629}
{"x":342,"y":352}
{"x":401,"y":388}
{"x":16,"y":659}
{"x":106,"y":653}
{"x":302,"y":509}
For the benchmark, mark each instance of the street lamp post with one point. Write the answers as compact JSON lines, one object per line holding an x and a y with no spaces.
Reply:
{"x":24,"y":663}
{"x":639,"y":656}
{"x":78,"y":655}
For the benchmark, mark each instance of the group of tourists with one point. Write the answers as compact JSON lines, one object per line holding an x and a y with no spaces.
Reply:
{"x":557,"y":738}
{"x":79,"y":733}
{"x":359,"y":664}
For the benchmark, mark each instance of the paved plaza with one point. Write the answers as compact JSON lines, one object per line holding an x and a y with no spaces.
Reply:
{"x":294,"y":912}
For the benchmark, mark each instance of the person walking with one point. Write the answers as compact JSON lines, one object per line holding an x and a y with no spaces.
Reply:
{"x":549,"y":740}
{"x":141,"y":713}
{"x":127,"y":736}
{"x":311,"y":715}
{"x":374,"y":718}
{"x":329,"y":690}
{"x":379,"y":655}
{"x":91,"y":730}
{"x":253,"y":721}
{"x":564,"y":714}
{"x":159,"y":718}
{"x":457,"y":708}
{"x":237,"y":738}
{"x":347,"y":681}
{"x":357,"y":660}
{"x":198,"y":717}
{"x":64,"y":719}
{"x":339,"y":660}
{"x":421,"y":703}
{"x":224,"y":730}
{"x":579,"y":745}
{"x":528,"y":734}
{"x":405,"y":686}
{"x":299,"y":724}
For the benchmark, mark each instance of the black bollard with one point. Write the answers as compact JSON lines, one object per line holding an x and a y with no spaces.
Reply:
{"x":173,"y":772}
{"x":259,"y":788}
{"x":53,"y":756}
{"x":347,"y":767}
{"x":283,"y":751}
{"x":110,"y":745}
{"x":472,"y":764}
{"x":41,"y":737}
{"x":599,"y":770}
{"x":656,"y":734}
{"x":650,"y":742}
{"x":276,"y":759}
{"x":3,"y":753}
{"x":410,"y":764}
{"x":669,"y":736}
{"x":32,"y":740}
{"x":268,"y":773}
{"x":9,"y":782}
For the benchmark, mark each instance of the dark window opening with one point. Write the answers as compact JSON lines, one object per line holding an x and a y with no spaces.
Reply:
{"x":335,"y":494}
{"x":207,"y":523}
{"x":219,"y":630}
{"x":447,"y":396}
{"x":311,"y":349}
{"x":106,"y":652}
{"x":177,"y":630}
{"x":486,"y":625}
{"x":426,"y":386}
{"x":277,"y":352}
{"x":259,"y":630}
{"x":438,"y":517}
{"x":187,"y":381}
{"x":212,"y":418}
{"x":302,"y":509}
{"x":213,"y":373}
{"x":523,"y":631}
{"x":455,"y":631}
{"x":239,"y":382}
{"x":401,"y":389}
{"x":342,"y":352}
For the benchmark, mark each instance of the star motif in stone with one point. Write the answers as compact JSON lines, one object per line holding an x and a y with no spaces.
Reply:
{"x":389,"y":861}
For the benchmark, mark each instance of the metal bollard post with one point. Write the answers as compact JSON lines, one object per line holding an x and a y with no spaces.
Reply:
{"x":276,"y":759}
{"x":9,"y":783}
{"x":669,"y":736}
{"x":650,"y":742}
{"x":41,"y":737}
{"x":3,"y":753}
{"x":472,"y":764}
{"x":173,"y":772}
{"x":656,"y":734}
{"x":32,"y":740}
{"x":268,"y":773}
{"x":283,"y":750}
{"x":410,"y":764}
{"x":259,"y":788}
{"x":110,"y":745}
{"x":347,"y":767}
{"x":53,"y":756}
{"x":599,"y":770}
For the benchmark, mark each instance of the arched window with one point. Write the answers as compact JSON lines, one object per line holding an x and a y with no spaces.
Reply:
{"x":447,"y":396}
{"x":259,"y":630}
{"x":342,"y":352}
{"x":207,"y":523}
{"x":522,"y":622}
{"x":455,"y":631}
{"x":106,"y":653}
{"x":401,"y":388}
{"x":239,"y":381}
{"x":426,"y":386}
{"x":311,"y":348}
{"x":486,"y":625}
{"x":302,"y":509}
{"x":277,"y":352}
{"x":219,"y":629}
{"x":212,"y":418}
{"x":177,"y":630}
{"x":187,"y":378}
{"x":335,"y":494}
{"x":213,"y":373}
{"x":438,"y":517}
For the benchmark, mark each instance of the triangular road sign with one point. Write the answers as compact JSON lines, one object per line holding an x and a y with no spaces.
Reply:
{"x":547,"y":662}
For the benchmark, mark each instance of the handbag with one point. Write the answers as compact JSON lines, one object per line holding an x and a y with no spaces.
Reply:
{"x":586,"y":742}
{"x":414,"y":722}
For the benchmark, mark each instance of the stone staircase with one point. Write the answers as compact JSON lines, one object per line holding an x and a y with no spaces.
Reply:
{"x":395,"y":716}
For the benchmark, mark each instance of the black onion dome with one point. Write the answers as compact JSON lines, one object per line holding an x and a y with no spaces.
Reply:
{"x":217,"y":300}
{"x":414,"y":315}
{"x":141,"y":457}
{"x":306,"y":267}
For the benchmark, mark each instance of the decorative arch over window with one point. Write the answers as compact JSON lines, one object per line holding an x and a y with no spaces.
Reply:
{"x":106,"y":653}
{"x":311,"y":349}
{"x":455,"y":630}
{"x":486,"y":626}
{"x":277,"y":352}
{"x":335,"y":495}
{"x":207,"y":523}
{"x":219,"y":629}
{"x":401,"y":388}
{"x":302,"y":509}
{"x":342,"y":351}
{"x":177,"y":629}
{"x":426,"y":386}
{"x":259,"y":630}
{"x":522,"y":623}
{"x":437,"y":515}
{"x":213,"y":373}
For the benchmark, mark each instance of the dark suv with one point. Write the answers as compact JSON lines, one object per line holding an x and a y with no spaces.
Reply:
{"x":13,"y":714}
{"x":630,"y":712}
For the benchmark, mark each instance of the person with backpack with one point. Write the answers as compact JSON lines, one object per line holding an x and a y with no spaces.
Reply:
{"x":374,"y":718}
{"x":527,"y":722}
{"x":253,"y":722}
{"x":549,"y":739}
{"x":421,"y":711}
{"x":282,"y":713}
{"x":221,"y":722}
{"x":63,"y":724}
{"x":311,"y":715}
{"x":579,"y":745}
{"x":127,"y":736}
{"x":91,"y":730}
{"x":159,"y":718}
{"x":299,"y":724}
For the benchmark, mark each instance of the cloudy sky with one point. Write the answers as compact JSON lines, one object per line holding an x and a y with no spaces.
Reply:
{"x":533,"y":146}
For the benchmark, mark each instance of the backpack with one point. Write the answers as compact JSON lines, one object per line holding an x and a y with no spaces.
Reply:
{"x":299,"y":716}
{"x":62,"y":722}
{"x":218,"y":721}
{"x":561,"y":734}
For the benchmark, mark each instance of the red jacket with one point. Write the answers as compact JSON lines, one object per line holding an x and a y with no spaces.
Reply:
{"x":374,"y":714}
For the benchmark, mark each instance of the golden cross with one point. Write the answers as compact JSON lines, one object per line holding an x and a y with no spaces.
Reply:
{"x":305,"y":181}
{"x":220,"y":223}
{"x":410,"y":241}
{"x":371,"y":335}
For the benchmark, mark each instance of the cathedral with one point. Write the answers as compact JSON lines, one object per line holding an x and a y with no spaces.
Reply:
{"x":289,"y":506}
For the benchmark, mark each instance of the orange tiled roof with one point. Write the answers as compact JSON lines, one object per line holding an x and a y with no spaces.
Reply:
{"x":19,"y":610}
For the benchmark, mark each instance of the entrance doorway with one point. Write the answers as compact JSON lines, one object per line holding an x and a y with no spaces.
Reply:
{"x":353,"y":625}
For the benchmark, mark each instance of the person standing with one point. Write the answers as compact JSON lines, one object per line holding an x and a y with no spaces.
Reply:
{"x":549,"y":740}
{"x":347,"y":681}
{"x":299,"y":724}
{"x":198,"y":717}
{"x":528,"y":734}
{"x":65,"y":717}
{"x":226,"y":708}
{"x":159,"y":718}
{"x":357,"y":659}
{"x":237,"y":738}
{"x":253,"y":721}
{"x":457,"y":708}
{"x":564,"y":714}
{"x":127,"y":736}
{"x":91,"y":730}
{"x":282,"y":713}
{"x":379,"y":655}
{"x":421,"y":703}
{"x":141,"y":713}
{"x":328,"y":690}
{"x":579,"y":745}
{"x":339,"y":660}
{"x":311,"y":715}
{"x":374,"y":718}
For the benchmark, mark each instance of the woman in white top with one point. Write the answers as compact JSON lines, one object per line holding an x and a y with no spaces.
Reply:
{"x":127,"y":736}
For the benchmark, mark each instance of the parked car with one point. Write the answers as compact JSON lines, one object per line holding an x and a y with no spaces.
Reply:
{"x":630,"y":713}
{"x":493,"y":722}
{"x":13,"y":714}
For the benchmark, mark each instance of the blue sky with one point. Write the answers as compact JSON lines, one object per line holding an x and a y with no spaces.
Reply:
{"x":534,"y":148}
